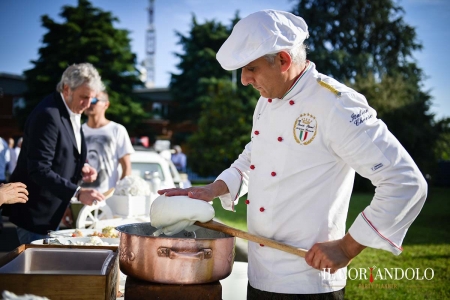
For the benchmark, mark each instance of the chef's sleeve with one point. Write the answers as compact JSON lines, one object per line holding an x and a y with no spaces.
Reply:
{"x":365,"y":143}
{"x":236,"y":179}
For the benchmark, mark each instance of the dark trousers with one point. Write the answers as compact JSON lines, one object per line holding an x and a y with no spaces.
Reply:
{"x":255,"y":294}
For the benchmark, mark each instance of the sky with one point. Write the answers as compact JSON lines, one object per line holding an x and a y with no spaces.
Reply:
{"x":21,"y":32}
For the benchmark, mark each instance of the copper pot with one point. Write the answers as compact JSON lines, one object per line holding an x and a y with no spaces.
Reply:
{"x":185,"y":258}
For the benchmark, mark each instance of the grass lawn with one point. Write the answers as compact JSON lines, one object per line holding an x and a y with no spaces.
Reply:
{"x":427,"y":245}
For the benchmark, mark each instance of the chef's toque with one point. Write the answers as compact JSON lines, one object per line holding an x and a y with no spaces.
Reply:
{"x":263,"y":32}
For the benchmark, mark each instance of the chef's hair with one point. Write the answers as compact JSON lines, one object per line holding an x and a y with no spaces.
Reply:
{"x":298,"y":55}
{"x":79,"y":74}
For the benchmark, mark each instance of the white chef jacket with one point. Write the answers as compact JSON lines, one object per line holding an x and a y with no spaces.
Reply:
{"x":299,"y":170}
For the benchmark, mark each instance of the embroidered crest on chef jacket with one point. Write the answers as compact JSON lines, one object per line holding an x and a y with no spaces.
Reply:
{"x":305,"y":129}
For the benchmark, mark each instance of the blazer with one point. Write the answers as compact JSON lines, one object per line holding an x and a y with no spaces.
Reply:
{"x":49,"y":164}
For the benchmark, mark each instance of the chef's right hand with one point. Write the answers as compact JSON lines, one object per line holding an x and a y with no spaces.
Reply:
{"x":206,"y":193}
{"x":90,"y":196}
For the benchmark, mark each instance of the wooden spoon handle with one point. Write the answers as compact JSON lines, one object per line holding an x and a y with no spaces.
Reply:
{"x":109,"y":193}
{"x":213,"y":225}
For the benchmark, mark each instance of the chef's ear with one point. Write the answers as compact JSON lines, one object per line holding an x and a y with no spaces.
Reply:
{"x":285,"y":60}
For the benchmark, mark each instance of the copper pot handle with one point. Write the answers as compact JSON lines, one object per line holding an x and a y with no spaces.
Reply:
{"x":172,"y":254}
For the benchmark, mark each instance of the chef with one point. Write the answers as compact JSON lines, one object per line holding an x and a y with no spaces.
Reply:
{"x":310,"y":134}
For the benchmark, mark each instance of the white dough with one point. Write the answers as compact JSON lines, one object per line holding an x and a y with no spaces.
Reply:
{"x":174,"y":214}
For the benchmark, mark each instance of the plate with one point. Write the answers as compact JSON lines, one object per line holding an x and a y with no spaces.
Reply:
{"x":69,"y":232}
{"x":80,"y":241}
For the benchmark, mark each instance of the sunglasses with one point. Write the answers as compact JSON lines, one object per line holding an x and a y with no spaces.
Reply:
{"x":95,"y":101}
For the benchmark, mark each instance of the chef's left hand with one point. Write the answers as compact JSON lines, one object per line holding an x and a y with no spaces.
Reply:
{"x":89,"y":173}
{"x":333,"y":254}
{"x":206,"y":193}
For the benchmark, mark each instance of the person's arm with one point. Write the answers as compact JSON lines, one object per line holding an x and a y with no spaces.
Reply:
{"x":124,"y":150}
{"x":363,"y":142}
{"x":125,"y":163}
{"x":400,"y":191}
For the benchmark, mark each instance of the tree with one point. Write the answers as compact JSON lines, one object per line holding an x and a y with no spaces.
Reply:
{"x":197,"y":61}
{"x":368,"y":45}
{"x":357,"y":37}
{"x":442,"y":149}
{"x":87,"y":35}
{"x":207,"y":96}
{"x":224,"y":126}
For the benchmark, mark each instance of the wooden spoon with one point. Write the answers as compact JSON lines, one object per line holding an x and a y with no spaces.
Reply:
{"x":213,"y":225}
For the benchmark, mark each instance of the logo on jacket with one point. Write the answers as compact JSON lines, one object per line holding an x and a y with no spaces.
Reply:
{"x":305,"y":129}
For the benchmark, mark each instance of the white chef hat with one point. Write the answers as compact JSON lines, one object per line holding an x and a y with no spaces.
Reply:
{"x":263,"y":32}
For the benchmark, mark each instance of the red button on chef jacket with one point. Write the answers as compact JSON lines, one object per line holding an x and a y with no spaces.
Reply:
{"x":247,"y":201}
{"x":256,"y":132}
{"x":280,"y":138}
{"x":291,"y":102}
{"x":273,"y":174}
{"x":252,"y":167}
{"x":262,"y":209}
{"x":270,"y":100}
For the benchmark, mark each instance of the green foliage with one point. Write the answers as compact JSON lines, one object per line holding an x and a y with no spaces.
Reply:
{"x":197,"y":61}
{"x":207,"y":97}
{"x":224,"y":126}
{"x":368,"y":45}
{"x":86,"y":35}
{"x":357,"y":37}
{"x":442,"y":148}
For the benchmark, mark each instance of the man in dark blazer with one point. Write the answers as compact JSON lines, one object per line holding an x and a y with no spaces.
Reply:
{"x":52,"y":160}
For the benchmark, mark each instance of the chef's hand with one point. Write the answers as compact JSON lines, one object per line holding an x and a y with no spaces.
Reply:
{"x":89,"y":173}
{"x":90,"y":196}
{"x":333,"y":254}
{"x":206,"y":193}
{"x":14,"y":192}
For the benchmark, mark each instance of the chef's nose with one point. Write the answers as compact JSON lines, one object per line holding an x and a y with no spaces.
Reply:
{"x":246,"y":77}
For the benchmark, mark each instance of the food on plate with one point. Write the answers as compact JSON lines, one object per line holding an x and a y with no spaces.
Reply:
{"x":93,"y":241}
{"x":108,"y":231}
{"x":77,"y":233}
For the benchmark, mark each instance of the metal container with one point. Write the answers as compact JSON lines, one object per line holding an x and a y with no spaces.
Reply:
{"x":60,"y":261}
{"x":186,"y":258}
{"x":61,"y":272}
